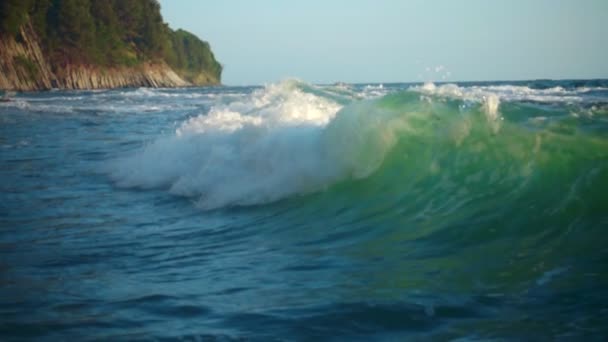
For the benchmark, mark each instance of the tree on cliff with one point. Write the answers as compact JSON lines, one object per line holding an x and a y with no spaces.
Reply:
{"x":13,"y":14}
{"x":109,"y":33}
{"x":71,"y":29}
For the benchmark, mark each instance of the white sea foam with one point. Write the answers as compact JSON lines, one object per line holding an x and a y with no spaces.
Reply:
{"x":278,"y":142}
{"x":160,"y":92}
{"x":491,"y":96}
{"x":374,"y":91}
{"x":506,"y":93}
{"x":490,"y":101}
{"x":289,"y":138}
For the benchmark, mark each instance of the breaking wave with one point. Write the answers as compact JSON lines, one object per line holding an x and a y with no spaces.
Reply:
{"x":293,"y":138}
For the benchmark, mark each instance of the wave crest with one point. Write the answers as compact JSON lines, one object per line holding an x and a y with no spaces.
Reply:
{"x":293,"y":138}
{"x":274,"y":144}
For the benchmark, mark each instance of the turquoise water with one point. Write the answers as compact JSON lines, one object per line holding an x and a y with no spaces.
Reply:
{"x":294,"y":211}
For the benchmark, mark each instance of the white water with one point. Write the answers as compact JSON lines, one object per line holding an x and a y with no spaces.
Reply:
{"x":277,"y":142}
{"x":282,"y":141}
{"x":509,"y":93}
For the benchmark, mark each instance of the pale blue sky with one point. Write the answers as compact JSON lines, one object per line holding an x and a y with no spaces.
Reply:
{"x":324,"y":41}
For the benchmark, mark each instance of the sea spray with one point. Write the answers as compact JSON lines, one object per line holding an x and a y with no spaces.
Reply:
{"x":250,"y":151}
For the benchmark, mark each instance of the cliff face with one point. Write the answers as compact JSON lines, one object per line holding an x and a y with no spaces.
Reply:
{"x":88,"y":44}
{"x":22,"y":64}
{"x":24,"y":67}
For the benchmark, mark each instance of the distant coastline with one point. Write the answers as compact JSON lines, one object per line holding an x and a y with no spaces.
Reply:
{"x":84,"y":44}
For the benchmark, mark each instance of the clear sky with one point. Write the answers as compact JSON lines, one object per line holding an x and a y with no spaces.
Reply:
{"x":325,"y":41}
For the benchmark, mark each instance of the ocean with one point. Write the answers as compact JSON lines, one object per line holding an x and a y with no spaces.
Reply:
{"x":297,"y":212}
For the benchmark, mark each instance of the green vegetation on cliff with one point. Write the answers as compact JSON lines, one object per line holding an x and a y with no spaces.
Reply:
{"x":110,"y":33}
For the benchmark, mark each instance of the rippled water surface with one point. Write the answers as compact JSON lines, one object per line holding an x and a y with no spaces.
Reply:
{"x":300,"y":212}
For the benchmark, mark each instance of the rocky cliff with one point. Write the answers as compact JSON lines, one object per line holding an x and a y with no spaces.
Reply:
{"x":24,"y":67}
{"x":90,"y":44}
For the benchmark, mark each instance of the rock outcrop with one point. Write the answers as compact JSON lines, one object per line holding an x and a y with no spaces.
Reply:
{"x":24,"y":67}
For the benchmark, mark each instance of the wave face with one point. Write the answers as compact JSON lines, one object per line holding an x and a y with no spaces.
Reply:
{"x":293,"y":211}
{"x":293,"y":138}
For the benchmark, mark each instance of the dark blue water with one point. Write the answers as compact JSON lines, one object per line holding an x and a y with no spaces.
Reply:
{"x":301,"y":212}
